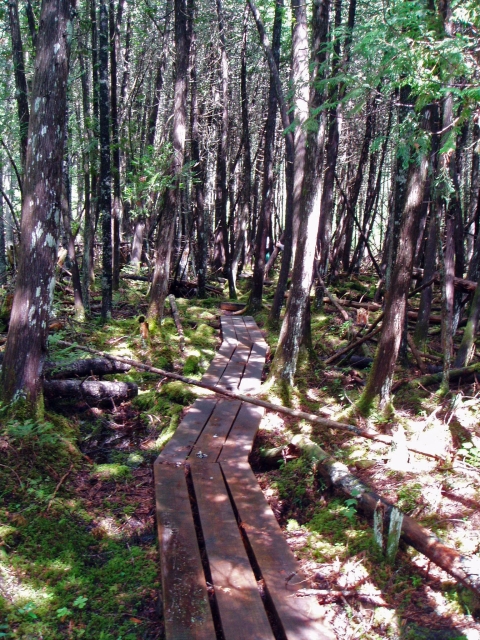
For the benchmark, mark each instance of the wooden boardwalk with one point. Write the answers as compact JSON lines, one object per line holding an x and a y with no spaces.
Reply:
{"x":227,"y":571}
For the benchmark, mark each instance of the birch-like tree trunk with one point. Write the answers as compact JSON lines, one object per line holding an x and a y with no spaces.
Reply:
{"x":27,"y":337}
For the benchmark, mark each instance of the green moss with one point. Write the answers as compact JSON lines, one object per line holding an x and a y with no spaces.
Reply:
{"x":112,"y":471}
{"x":191,"y":366}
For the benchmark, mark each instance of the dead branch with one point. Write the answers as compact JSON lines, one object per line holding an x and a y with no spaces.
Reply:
{"x":294,"y":413}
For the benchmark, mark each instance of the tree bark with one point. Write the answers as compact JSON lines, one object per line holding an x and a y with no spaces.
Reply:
{"x":105,"y":198}
{"x":293,"y":326}
{"x":91,"y":391}
{"x":27,"y":337}
{"x":161,"y":273}
{"x":265,"y":213}
{"x":381,"y":376}
{"x":20,"y":78}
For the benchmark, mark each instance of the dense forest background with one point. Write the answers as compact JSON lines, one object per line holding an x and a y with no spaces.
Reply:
{"x":170,"y":140}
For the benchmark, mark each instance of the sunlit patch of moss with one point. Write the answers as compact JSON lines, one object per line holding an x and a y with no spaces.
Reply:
{"x":202,"y":336}
{"x":336,"y":531}
{"x":112,"y":471}
{"x":191,"y":366}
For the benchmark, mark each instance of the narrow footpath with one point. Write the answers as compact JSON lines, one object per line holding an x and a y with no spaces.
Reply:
{"x":227,"y":570}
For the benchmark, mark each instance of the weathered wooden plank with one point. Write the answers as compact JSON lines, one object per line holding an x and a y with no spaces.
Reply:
{"x":241,"y":609}
{"x":241,"y":354}
{"x":252,"y":376}
{"x":215,"y":432}
{"x":242,"y":434}
{"x":188,"y":431}
{"x":217,"y":367}
{"x":228,"y":329}
{"x":186,"y":607}
{"x":253,"y":330}
{"x":241,"y":331}
{"x":301,"y":617}
{"x":231,"y":376}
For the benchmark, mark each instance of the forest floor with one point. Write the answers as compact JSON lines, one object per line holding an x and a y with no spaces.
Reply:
{"x":78,"y":553}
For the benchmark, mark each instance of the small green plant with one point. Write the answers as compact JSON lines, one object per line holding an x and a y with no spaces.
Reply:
{"x":470,"y":453}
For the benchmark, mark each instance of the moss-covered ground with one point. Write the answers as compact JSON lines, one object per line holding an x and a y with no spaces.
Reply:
{"x":78,"y":554}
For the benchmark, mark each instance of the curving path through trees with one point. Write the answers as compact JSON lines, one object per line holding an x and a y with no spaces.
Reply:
{"x":227,"y":571}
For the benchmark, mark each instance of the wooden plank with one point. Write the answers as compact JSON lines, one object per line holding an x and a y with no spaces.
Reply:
{"x":252,"y":376}
{"x":241,"y":354}
{"x":253,"y":330}
{"x":228,"y":330}
{"x":238,"y":445}
{"x":215,"y":432}
{"x":241,"y":609}
{"x":217,"y":367}
{"x":231,"y":376}
{"x":241,"y":331}
{"x":186,"y":607}
{"x":301,"y":617}
{"x":188,"y":431}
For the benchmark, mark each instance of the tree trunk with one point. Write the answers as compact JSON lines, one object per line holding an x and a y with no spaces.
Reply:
{"x":293,"y":326}
{"x":27,"y":337}
{"x":300,"y":88}
{"x":246,"y":187}
{"x":105,"y":198}
{"x":3,"y":257}
{"x":289,"y":161}
{"x":198,"y":168}
{"x":265,"y":213}
{"x":20,"y":78}
{"x":161,"y":273}
{"x":114,"y":27}
{"x":380,"y":379}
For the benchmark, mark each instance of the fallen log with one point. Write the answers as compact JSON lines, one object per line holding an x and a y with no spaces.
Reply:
{"x":82,"y":368}
{"x":458,"y":283}
{"x":463,"y":568}
{"x":436,"y":378}
{"x":178,"y":323}
{"x":93,"y":391}
{"x":294,"y":413}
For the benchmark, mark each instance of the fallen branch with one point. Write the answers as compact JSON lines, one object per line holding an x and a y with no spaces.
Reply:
{"x":178,"y":324}
{"x":353,"y":345}
{"x":463,"y":568}
{"x":294,"y":413}
{"x":62,"y":480}
{"x":458,"y":283}
{"x":436,"y":378}
{"x":416,"y":354}
{"x":332,"y":298}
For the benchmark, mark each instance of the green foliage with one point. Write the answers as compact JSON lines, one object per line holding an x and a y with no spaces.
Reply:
{"x":409,"y":497}
{"x":471,"y":453}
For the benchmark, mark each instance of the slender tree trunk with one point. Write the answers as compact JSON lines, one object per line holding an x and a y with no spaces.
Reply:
{"x":20,"y":78}
{"x":301,"y":88}
{"x":27,"y":337}
{"x":3,"y":257}
{"x":380,"y":379}
{"x":221,"y":189}
{"x":159,"y":290}
{"x":89,"y":217}
{"x":114,"y":28}
{"x":265,"y":213}
{"x":105,"y":199}
{"x":246,"y":187}
{"x":296,"y":324}
{"x":199,"y":168}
